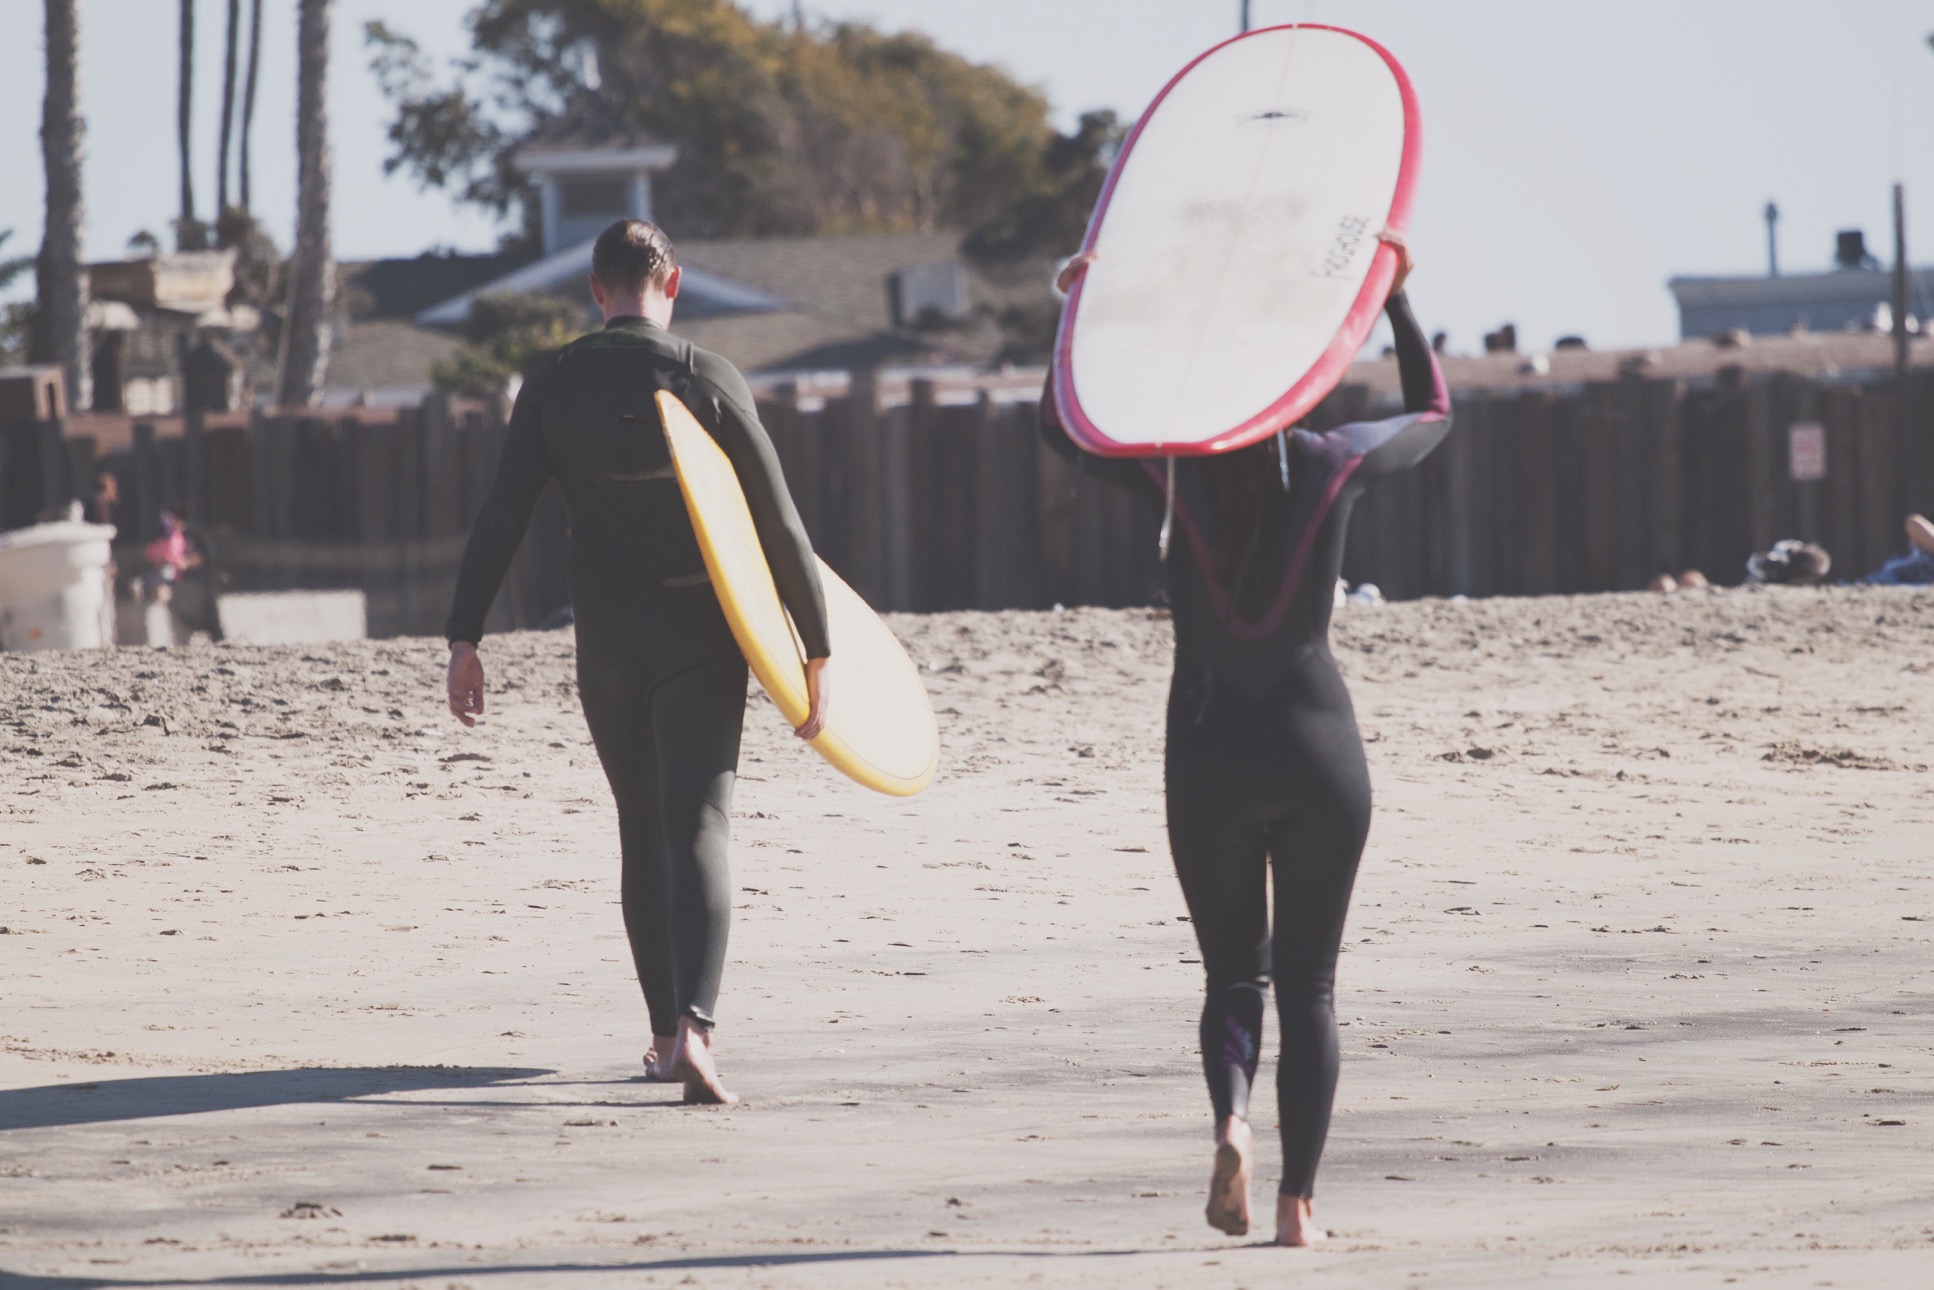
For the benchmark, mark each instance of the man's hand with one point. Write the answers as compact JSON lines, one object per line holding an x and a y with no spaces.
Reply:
{"x":1404,"y":261}
{"x":815,"y":700}
{"x":466,"y":683}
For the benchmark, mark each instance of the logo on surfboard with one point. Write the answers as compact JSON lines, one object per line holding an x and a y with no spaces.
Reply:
{"x":1351,"y":231}
{"x":1275,"y":116}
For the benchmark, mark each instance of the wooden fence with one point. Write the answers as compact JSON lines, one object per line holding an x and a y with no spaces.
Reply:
{"x":938,"y":502}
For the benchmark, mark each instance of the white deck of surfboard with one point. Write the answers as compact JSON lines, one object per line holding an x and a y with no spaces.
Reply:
{"x":1240,"y":231}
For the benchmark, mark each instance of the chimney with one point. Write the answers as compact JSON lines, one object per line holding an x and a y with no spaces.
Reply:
{"x":1850,"y":251}
{"x":1502,"y":341}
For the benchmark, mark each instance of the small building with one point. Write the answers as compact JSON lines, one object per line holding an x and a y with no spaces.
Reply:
{"x":167,"y":335}
{"x":1856,"y":295}
{"x":583,"y":185}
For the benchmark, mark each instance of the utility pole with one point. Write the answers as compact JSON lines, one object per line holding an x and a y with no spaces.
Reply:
{"x":1245,"y":15}
{"x":1772,"y":240}
{"x":1900,"y":283}
{"x":798,"y":15}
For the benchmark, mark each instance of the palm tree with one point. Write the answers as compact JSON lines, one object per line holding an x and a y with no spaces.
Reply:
{"x":228,"y":114}
{"x":60,"y":307}
{"x":188,"y":231}
{"x":248,"y":94}
{"x":312,"y":273}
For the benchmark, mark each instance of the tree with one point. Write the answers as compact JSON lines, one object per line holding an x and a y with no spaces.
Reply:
{"x":11,"y":269}
{"x":16,"y":317}
{"x":190,"y":233}
{"x":505,"y":335}
{"x":1051,"y":217}
{"x":228,"y":114}
{"x":312,"y":277}
{"x":248,"y":98}
{"x":781,"y":129}
{"x":60,"y":301}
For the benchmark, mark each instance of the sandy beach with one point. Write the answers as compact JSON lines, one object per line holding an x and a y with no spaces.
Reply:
{"x":307,"y":985}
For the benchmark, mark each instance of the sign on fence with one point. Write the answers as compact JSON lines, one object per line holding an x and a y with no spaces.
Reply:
{"x":1806,"y":451}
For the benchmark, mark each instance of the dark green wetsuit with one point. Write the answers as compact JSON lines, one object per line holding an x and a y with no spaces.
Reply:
{"x":662,"y":681}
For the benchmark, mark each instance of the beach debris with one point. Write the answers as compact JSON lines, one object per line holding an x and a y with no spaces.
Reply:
{"x":311,"y":1209}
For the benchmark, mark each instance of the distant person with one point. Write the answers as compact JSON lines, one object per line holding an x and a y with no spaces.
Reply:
{"x":1790,"y":563}
{"x":1264,"y":767}
{"x":169,"y":556}
{"x":1920,"y":534}
{"x":107,"y":496}
{"x":661,"y":679}
{"x":1915,"y":566}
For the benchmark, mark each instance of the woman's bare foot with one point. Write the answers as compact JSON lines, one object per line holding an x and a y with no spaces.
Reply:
{"x":1228,"y":1209}
{"x":692,"y":1062}
{"x":1294,"y":1223}
{"x":658,"y":1059}
{"x":1920,"y":533}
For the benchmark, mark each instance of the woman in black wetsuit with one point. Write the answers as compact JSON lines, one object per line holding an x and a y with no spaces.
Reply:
{"x":1264,"y":763}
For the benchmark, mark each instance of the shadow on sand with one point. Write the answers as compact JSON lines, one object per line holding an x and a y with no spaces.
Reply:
{"x":23,"y":1281}
{"x":98,"y":1102}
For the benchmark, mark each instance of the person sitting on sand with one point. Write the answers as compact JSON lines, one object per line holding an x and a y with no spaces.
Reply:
{"x":1264,"y":764}
{"x":1913,"y":567}
{"x":662,"y":681}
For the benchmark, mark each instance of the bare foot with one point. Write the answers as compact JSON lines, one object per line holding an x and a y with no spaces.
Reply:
{"x":1229,"y":1185}
{"x":658,"y":1059}
{"x":1920,"y":533}
{"x":692,"y":1062}
{"x":1294,"y":1223}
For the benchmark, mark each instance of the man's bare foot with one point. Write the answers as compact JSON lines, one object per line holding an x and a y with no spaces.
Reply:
{"x":1294,"y":1223}
{"x":658,"y":1059}
{"x":1920,"y":533}
{"x":692,"y":1062}
{"x":1228,"y":1209}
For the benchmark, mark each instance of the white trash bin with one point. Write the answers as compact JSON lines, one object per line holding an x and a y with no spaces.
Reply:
{"x":54,"y":591}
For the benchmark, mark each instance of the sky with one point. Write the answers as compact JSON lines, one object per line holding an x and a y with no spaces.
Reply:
{"x":1576,"y":154}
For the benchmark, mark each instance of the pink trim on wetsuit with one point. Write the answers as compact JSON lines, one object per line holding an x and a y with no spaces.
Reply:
{"x":1219,"y":599}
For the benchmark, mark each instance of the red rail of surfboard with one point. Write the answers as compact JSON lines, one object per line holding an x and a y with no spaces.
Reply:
{"x":1315,"y":384}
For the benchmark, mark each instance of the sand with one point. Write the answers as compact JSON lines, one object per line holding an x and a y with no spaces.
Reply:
{"x":306,"y":985}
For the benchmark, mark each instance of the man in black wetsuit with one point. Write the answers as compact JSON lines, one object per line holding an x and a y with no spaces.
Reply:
{"x":1264,"y":765}
{"x":662,"y":681}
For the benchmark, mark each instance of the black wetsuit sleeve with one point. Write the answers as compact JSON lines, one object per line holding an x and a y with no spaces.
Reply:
{"x":522,"y":471}
{"x":725,"y":405}
{"x":1395,"y":445}
{"x":1124,"y":472}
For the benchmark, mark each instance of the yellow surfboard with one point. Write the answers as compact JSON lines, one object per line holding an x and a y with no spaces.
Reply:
{"x":879,"y":727}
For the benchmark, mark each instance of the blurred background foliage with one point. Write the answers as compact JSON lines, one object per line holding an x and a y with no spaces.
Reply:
{"x":503,"y":339}
{"x":834,"y":128}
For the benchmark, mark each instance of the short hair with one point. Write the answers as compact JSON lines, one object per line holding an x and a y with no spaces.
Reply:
{"x":631,"y":255}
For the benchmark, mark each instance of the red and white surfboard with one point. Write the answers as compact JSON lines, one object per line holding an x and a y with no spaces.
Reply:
{"x":1237,"y":269}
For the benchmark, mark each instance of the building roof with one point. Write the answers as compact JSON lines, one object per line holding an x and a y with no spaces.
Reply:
{"x":767,"y":304}
{"x":402,"y":288}
{"x":571,"y":149}
{"x":386,"y":358}
{"x":564,"y":274}
{"x":1823,"y":355}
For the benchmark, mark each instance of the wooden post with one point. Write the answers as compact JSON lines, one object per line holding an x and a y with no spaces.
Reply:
{"x":897,"y":430}
{"x":860,"y":471}
{"x":146,"y":488}
{"x":1880,"y":532}
{"x":914,"y":488}
{"x":442,"y":469}
{"x":1537,"y":462}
